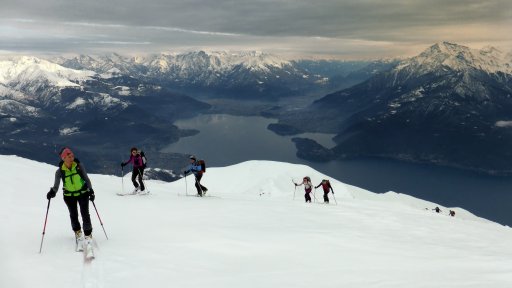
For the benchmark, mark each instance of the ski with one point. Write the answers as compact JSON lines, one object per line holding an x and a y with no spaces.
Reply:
{"x":144,"y":193}
{"x":197,"y":196}
{"x":125,"y":194}
{"x":88,"y":251}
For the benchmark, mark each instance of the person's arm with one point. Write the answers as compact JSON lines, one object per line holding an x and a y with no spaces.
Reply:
{"x":84,"y":175}
{"x":56,"y":183}
{"x":188,"y":169}
{"x":128,"y":161}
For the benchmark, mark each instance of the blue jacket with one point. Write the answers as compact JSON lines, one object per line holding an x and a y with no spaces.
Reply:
{"x":194,"y":168}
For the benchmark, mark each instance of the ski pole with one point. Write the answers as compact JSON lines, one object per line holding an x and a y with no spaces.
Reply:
{"x":101,"y":222}
{"x":334,"y":197}
{"x":186,"y":185}
{"x":294,"y":190}
{"x":44,"y":228}
{"x":122,"y":179}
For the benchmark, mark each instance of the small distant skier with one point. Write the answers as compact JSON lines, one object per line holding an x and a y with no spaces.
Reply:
{"x":452,"y":213}
{"x":306,"y":181}
{"x":198,"y":168}
{"x":437,"y":209}
{"x":77,"y":189}
{"x":326,"y":186}
{"x":137,"y":162}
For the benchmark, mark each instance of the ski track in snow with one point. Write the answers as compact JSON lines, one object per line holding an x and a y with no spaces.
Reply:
{"x":92,"y":273}
{"x":252,"y":234}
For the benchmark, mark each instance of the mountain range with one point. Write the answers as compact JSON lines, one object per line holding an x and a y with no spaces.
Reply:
{"x":102,"y":103}
{"x":44,"y":105}
{"x":450,"y":105}
{"x":242,"y":74}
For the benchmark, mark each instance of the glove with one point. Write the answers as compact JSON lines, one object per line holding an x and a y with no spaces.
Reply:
{"x":50,"y":194}
{"x":185,"y":172}
{"x":122,"y":164}
{"x":91,"y":195}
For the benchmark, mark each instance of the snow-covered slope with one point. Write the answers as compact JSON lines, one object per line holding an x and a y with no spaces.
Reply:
{"x":29,"y":69}
{"x":250,"y":233}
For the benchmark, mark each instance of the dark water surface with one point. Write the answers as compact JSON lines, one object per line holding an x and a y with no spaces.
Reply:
{"x":225,"y":140}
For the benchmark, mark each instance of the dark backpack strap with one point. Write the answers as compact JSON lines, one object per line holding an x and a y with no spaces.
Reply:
{"x":78,"y":170}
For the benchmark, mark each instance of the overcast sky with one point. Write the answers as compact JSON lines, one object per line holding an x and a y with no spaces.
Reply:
{"x":344,"y":29}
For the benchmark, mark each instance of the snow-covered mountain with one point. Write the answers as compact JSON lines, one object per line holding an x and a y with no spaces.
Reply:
{"x":445,"y":55}
{"x":23,"y":69}
{"x":240,"y":73}
{"x":42,"y":102}
{"x":441,"y":107}
{"x":34,"y":82}
{"x":251,"y":232}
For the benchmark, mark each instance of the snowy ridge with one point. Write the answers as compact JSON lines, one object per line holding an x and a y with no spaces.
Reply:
{"x":25,"y":69}
{"x":33,"y":82}
{"x":252,"y":233}
{"x":459,"y":58}
{"x":212,"y":61}
{"x":216,"y":61}
{"x":17,"y":109}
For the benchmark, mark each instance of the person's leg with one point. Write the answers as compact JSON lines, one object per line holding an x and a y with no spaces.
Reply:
{"x":141,"y":174}
{"x":198,"y":185}
{"x":135,"y":172}
{"x":71,"y":203}
{"x":86,"y":217}
{"x":308,"y":197}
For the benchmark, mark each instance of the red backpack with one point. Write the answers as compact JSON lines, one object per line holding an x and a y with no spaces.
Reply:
{"x":203,"y":166}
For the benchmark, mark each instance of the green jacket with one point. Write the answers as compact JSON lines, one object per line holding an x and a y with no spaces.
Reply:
{"x":75,"y":180}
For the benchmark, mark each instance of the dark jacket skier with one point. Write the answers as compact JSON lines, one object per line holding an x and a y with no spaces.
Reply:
{"x":138,"y":169}
{"x":326,"y":186}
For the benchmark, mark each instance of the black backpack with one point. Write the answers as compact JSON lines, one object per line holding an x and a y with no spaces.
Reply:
{"x":144,"y":159}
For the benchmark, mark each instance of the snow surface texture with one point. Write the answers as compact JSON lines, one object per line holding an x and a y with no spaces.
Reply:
{"x":252,"y":234}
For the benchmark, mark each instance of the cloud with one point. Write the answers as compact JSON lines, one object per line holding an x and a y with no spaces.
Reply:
{"x":169,"y":24}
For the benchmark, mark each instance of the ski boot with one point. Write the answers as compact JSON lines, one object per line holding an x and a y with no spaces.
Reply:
{"x":87,"y":247}
{"x":79,"y":240}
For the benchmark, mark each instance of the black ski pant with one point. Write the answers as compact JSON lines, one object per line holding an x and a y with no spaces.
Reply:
{"x":138,"y":172}
{"x":326,"y":196}
{"x":308,"y":196}
{"x":200,"y":188}
{"x":72,"y":202}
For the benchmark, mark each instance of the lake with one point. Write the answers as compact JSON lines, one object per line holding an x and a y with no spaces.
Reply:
{"x":225,"y":140}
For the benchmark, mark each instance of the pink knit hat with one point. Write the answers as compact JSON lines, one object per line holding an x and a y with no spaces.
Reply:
{"x":65,"y":152}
